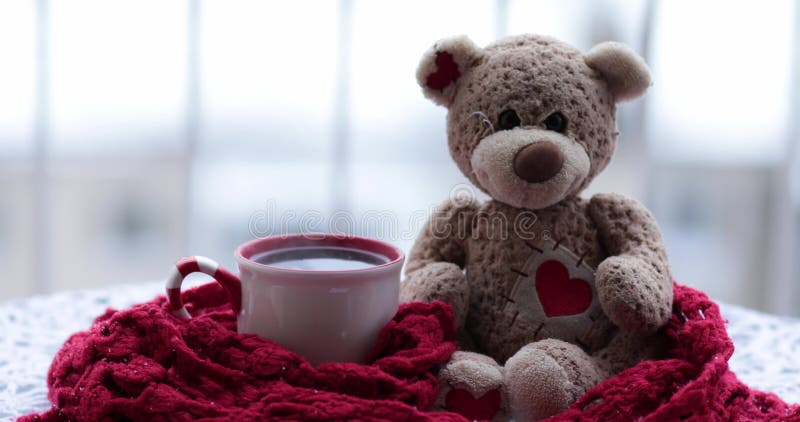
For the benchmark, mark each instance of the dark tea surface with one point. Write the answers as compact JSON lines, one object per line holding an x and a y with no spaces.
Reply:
{"x":324,"y":258}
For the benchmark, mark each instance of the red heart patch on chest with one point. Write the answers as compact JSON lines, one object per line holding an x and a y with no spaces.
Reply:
{"x":559,"y":294}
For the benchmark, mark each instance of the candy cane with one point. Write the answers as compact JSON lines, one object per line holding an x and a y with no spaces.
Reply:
{"x":200,"y":264}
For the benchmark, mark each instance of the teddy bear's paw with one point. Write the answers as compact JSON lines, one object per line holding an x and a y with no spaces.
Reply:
{"x":442,"y":281}
{"x":471,"y":385}
{"x":632,"y":294}
{"x":546,"y":377}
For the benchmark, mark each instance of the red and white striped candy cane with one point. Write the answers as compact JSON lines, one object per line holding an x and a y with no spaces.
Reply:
{"x":200,"y":264}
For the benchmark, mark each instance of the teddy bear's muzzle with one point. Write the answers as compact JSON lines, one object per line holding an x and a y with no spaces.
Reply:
{"x":529,"y":168}
{"x":538,"y":162}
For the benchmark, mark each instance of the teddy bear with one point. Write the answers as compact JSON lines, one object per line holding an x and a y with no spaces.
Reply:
{"x":551,"y":292}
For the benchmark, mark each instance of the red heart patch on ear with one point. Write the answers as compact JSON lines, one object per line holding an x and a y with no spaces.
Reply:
{"x":446,"y":71}
{"x":559,"y":294}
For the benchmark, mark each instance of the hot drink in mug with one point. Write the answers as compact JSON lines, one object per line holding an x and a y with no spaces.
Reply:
{"x":325,"y":297}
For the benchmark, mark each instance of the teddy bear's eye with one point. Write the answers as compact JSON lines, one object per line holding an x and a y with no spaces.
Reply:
{"x":556,"y":122}
{"x":508,"y":120}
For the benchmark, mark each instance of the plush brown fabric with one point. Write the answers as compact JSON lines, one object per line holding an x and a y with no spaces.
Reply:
{"x":552,"y":292}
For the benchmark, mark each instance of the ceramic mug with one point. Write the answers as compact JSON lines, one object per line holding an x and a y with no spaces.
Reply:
{"x":322,"y":315}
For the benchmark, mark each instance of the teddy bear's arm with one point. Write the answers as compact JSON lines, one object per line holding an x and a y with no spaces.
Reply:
{"x":634,"y":283}
{"x":435,"y":268}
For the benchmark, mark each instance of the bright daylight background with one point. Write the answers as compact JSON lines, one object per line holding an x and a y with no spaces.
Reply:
{"x":136,"y":132}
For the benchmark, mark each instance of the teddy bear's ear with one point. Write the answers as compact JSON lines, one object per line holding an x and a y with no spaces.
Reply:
{"x":625,"y":72}
{"x":443,"y":65}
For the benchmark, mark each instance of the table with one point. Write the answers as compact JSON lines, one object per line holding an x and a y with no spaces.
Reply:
{"x":767,"y":355}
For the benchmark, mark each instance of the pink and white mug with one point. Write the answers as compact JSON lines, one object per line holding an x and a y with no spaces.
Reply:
{"x":323,"y":314}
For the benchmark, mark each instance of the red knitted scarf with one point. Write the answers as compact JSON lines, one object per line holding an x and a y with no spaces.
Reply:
{"x":693,"y":384}
{"x":143,"y":364}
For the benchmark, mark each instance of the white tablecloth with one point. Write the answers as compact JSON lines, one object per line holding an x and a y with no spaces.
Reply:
{"x":767,"y":355}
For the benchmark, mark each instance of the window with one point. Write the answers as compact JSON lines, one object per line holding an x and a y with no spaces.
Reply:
{"x":132,"y":133}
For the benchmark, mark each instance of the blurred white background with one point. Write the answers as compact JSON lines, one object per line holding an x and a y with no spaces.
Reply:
{"x":136,"y":132}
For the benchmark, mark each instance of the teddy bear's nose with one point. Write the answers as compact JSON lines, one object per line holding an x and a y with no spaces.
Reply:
{"x":538,"y":161}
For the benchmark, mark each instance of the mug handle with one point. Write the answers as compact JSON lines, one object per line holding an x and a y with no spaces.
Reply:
{"x":200,"y":264}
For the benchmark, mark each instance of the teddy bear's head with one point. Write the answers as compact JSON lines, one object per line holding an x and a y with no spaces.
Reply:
{"x":531,"y":120}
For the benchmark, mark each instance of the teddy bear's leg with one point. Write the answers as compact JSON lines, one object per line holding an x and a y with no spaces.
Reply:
{"x":628,"y":349}
{"x":471,"y":384}
{"x":546,"y":377}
